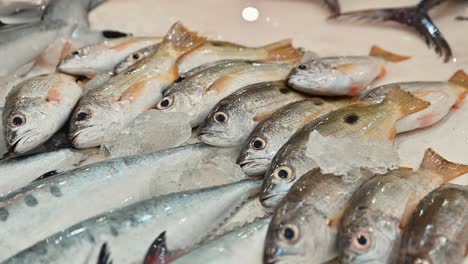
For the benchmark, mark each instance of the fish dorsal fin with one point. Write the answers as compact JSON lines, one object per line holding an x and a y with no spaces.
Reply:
{"x":460,"y":78}
{"x":377,"y":51}
{"x":181,"y":39}
{"x":447,"y":169}
{"x":405,"y":101}
{"x":104,"y":255}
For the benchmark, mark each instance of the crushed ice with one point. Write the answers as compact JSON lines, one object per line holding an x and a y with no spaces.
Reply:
{"x":345,"y":156}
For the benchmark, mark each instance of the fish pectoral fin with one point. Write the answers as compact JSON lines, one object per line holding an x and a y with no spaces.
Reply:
{"x":55,"y":92}
{"x":159,"y":254}
{"x":438,"y":164}
{"x":219,"y":85}
{"x":104,"y":255}
{"x":134,"y":92}
{"x":461,"y":78}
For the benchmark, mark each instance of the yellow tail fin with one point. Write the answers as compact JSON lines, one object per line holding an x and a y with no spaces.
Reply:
{"x":449,"y":170}
{"x":283,"y":50}
{"x":405,"y":101}
{"x":181,"y":39}
{"x":460,"y":78}
{"x":387,"y":55}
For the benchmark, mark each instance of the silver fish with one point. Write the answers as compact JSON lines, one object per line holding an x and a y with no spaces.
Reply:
{"x":121,"y":99}
{"x":135,"y":57}
{"x":198,"y":94}
{"x":233,"y":118}
{"x":103,"y":57}
{"x":341,"y":75}
{"x":272,"y":133}
{"x":305,"y":225}
{"x":188,"y":216}
{"x":241,"y":245}
{"x":371,"y":225}
{"x":58,"y":201}
{"x":438,"y":229}
{"x":37,"y":108}
{"x":19,"y":172}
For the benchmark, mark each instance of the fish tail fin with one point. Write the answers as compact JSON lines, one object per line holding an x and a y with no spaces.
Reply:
{"x":405,"y":101}
{"x":449,"y":170}
{"x":283,"y":50}
{"x":158,"y":253}
{"x":377,"y":51}
{"x":183,"y":40}
{"x":104,"y":255}
{"x":461,"y":78}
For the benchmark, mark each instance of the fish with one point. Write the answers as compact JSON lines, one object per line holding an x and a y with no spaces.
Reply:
{"x":64,"y":23}
{"x":104,"y":56}
{"x":442,"y":95}
{"x":58,"y":201}
{"x":233,"y":118}
{"x":133,"y":58}
{"x":359,"y":120}
{"x":280,"y":51}
{"x":197,"y":94}
{"x":437,"y":232}
{"x":334,"y":6}
{"x":241,"y":245}
{"x":347,"y":75}
{"x":273,"y":132}
{"x":305,"y":224}
{"x":37,"y":108}
{"x":415,"y":17}
{"x":121,"y":99}
{"x":189,"y":216}
{"x":19,"y":172}
{"x":371,"y":225}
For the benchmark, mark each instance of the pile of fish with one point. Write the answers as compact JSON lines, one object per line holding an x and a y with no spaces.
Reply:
{"x":181,"y":149}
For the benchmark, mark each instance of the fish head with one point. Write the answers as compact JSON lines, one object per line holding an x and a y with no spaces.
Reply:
{"x":83,"y":61}
{"x":297,"y":234}
{"x":25,"y":123}
{"x":224,"y":125}
{"x":368,"y":236}
{"x":259,"y":150}
{"x":90,"y":122}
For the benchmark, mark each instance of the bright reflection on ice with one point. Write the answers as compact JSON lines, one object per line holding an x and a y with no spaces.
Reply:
{"x":250,"y":14}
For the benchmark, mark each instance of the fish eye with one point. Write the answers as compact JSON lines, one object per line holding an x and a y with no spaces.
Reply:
{"x":258,"y":143}
{"x":180,"y":79}
{"x":165,"y":103}
{"x":351,"y":118}
{"x":361,"y":240}
{"x":17,"y":120}
{"x":136,"y":56}
{"x":220,"y":117}
{"x":284,"y":174}
{"x":303,"y":67}
{"x":83,"y":115}
{"x":76,"y":53}
{"x":289,"y":233}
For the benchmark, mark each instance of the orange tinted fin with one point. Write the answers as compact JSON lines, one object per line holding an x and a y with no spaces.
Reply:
{"x":219,"y":43}
{"x":335,"y":220}
{"x":181,"y":39}
{"x":55,"y":92}
{"x":67,"y":49}
{"x":436,"y":163}
{"x":405,"y":101}
{"x":219,"y":85}
{"x":134,"y":92}
{"x":460,"y":78}
{"x":262,"y":116}
{"x":401,"y":168}
{"x":377,"y":51}
{"x":283,"y":50}
{"x":393,"y":133}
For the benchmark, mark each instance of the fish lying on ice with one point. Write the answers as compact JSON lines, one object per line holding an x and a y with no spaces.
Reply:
{"x":438,"y":229}
{"x":188,"y":216}
{"x":128,"y":94}
{"x":372,"y":223}
{"x":359,"y":120}
{"x":270,"y":134}
{"x":233,"y":118}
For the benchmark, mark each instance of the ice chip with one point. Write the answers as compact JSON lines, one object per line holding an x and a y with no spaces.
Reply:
{"x":346,"y":156}
{"x":151,"y":131}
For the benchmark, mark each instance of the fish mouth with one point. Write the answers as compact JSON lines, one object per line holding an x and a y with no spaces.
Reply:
{"x":269,"y":200}
{"x":254,"y":167}
{"x":215,"y":138}
{"x":90,"y":139}
{"x":20,"y":146}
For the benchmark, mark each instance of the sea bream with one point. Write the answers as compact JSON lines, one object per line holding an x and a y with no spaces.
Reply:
{"x":37,"y":108}
{"x":58,"y":201}
{"x":19,"y":172}
{"x":358,"y":120}
{"x":371,"y":225}
{"x":438,"y":229}
{"x":128,"y":94}
{"x":442,"y":96}
{"x":305,"y":224}
{"x":104,"y":56}
{"x":188,"y":216}
{"x":270,"y":134}
{"x":233,"y":118}
{"x":133,"y":58}
{"x":197,"y":94}
{"x":347,"y":75}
